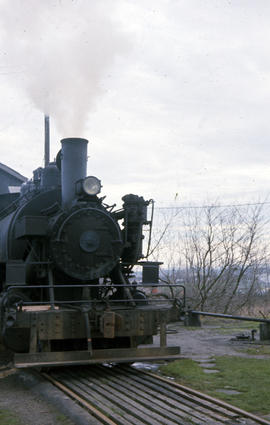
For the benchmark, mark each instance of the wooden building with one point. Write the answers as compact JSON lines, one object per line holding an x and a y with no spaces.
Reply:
{"x":10,"y":180}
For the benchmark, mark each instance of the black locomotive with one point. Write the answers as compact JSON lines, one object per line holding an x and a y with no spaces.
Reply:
{"x":68,"y":294}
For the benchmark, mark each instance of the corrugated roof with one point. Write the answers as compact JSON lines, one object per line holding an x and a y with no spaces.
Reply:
{"x":12,"y":172}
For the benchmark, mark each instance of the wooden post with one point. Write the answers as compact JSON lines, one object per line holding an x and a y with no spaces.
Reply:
{"x":264,"y":331}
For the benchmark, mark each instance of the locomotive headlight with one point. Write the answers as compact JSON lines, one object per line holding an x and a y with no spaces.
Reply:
{"x":91,"y":185}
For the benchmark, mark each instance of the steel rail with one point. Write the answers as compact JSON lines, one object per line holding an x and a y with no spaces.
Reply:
{"x":123,"y":395}
{"x":95,"y":412}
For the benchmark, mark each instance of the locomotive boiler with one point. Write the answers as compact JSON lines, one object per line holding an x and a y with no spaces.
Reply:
{"x":68,"y":292}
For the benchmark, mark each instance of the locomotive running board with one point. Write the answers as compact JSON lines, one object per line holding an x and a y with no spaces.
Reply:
{"x":116,"y":355}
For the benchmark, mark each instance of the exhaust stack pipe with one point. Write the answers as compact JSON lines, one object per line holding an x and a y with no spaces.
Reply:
{"x":47,"y":140}
{"x":73,"y":167}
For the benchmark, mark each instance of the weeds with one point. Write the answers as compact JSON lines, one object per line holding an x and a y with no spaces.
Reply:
{"x":8,"y":418}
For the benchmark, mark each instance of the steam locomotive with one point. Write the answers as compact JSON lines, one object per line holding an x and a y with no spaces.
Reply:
{"x":68,"y":292}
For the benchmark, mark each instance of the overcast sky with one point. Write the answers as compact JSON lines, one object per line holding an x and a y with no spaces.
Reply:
{"x":173,"y":95}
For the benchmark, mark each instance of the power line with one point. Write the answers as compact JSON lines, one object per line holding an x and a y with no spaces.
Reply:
{"x":210,"y":206}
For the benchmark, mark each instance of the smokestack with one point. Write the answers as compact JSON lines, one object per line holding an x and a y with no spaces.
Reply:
{"x":73,"y":167}
{"x":47,"y":140}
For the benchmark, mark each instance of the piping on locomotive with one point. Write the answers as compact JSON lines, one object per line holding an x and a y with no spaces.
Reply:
{"x":66,"y":267}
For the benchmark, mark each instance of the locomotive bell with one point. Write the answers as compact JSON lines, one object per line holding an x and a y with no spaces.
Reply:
{"x":73,"y":167}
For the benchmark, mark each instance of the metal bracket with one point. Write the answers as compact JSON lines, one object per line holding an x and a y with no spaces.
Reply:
{"x":33,"y":334}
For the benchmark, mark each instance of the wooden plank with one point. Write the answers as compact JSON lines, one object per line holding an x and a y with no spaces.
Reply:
{"x":131,"y":397}
{"x":101,"y":402}
{"x":37,"y":308}
{"x":154,"y":395}
{"x":98,"y":356}
{"x":81,"y":401}
{"x":138,"y":405}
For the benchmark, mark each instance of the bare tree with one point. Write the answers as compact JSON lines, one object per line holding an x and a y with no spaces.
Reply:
{"x":219,"y":253}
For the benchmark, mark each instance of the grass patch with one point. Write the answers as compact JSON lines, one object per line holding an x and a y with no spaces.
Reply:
{"x":226,"y":326}
{"x":61,"y":418}
{"x":8,"y":418}
{"x":194,"y":328}
{"x":251,"y":377}
{"x":238,"y":330}
{"x":231,"y":323}
{"x":236,"y":327}
{"x":261,"y":350}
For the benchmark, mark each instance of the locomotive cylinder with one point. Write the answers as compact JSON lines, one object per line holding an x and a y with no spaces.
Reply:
{"x":73,"y":167}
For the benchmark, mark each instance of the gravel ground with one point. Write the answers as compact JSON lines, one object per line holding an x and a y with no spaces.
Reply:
{"x":26,"y":405}
{"x":34,"y":401}
{"x":208,"y":341}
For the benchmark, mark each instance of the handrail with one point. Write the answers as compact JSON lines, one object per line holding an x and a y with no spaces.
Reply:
{"x":52,"y":287}
{"x":229,"y":316}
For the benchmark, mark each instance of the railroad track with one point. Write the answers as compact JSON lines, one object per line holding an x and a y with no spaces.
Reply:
{"x":122,"y":395}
